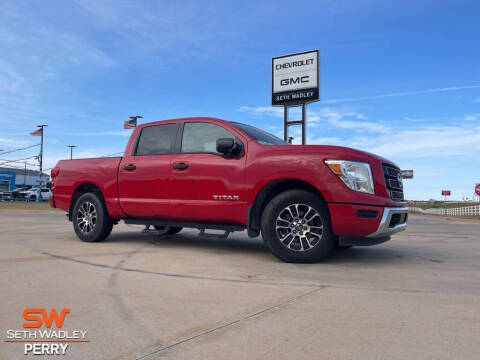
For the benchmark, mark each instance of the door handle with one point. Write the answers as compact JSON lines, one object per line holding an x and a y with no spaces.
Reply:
{"x":130,"y":167}
{"x":180,"y":166}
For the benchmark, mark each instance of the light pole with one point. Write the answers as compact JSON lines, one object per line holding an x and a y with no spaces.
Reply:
{"x":71,"y":150}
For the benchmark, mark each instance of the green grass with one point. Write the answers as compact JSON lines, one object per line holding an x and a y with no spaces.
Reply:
{"x":23,"y":205}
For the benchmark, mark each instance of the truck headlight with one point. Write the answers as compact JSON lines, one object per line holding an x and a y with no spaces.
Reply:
{"x":356,"y":175}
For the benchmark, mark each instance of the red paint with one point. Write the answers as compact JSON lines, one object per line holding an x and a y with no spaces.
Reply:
{"x":477,"y":189}
{"x":446,"y":192}
{"x":156,"y":190}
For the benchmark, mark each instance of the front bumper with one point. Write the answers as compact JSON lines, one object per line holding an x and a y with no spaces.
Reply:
{"x":394,"y":220}
{"x":361,"y":225}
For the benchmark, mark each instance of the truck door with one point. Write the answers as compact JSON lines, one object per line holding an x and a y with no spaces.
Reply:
{"x":144,"y":175}
{"x":206,"y":186}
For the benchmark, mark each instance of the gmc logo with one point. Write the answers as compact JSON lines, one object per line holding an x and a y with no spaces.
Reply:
{"x":293,"y":81}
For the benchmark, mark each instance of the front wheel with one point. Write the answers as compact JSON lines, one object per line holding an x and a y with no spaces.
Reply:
{"x":296,"y":227}
{"x":91,"y":221}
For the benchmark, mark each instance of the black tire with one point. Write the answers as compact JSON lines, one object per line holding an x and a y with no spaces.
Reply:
{"x":344,"y":247}
{"x":33,"y":197}
{"x":100,"y":225}
{"x":296,"y":248}
{"x":171,"y":230}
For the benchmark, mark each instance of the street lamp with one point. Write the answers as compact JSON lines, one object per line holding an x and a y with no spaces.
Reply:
{"x":71,"y":150}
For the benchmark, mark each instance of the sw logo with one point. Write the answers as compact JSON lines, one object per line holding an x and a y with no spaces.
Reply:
{"x":35,"y":321}
{"x":45,"y":341}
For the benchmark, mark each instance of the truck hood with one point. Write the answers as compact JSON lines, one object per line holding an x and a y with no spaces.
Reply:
{"x":333,"y":152}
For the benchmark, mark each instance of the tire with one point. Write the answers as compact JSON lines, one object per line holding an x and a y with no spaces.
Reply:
{"x":33,"y":197}
{"x":171,"y":230}
{"x":305,"y":242}
{"x":90,"y":218}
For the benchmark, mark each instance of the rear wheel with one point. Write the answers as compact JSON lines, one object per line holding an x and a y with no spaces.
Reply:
{"x":296,"y":227}
{"x":91,"y":221}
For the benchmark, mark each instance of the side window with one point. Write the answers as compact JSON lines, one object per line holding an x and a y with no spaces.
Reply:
{"x":202,"y":137}
{"x":156,"y":140}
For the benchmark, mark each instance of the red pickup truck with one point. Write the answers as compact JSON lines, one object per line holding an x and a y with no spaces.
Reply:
{"x":208,"y":173}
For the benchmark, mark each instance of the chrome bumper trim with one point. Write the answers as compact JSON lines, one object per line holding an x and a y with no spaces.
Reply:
{"x":383,"y":228}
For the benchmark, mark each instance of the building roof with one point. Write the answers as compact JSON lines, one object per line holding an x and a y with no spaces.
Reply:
{"x":22,"y":171}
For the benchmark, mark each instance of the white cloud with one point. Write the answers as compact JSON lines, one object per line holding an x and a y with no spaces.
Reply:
{"x":258,"y":111}
{"x":398,"y":94}
{"x":433,"y":141}
{"x":472,"y":117}
{"x":477,"y":100}
{"x":336,"y":118}
{"x":349,"y":120}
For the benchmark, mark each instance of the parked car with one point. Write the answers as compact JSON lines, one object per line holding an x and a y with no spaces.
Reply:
{"x":35,"y":193}
{"x":5,"y":194}
{"x":20,"y":192}
{"x":209,"y":173}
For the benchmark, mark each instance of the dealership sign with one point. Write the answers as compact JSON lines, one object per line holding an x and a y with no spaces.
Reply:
{"x":295,"y":78}
{"x":446,"y":193}
{"x":477,"y":189}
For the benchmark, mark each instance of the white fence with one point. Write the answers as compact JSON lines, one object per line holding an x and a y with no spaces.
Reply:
{"x":461,"y":211}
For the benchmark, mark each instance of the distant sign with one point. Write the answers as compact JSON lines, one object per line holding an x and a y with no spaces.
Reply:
{"x":446,"y":193}
{"x":407,"y":174}
{"x":477,"y":189}
{"x":295,"y":78}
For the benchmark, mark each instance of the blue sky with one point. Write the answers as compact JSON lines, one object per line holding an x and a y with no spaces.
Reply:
{"x":400,"y":79}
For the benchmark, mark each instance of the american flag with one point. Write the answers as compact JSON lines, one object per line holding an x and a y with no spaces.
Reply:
{"x":37,"y":132}
{"x":132,"y":123}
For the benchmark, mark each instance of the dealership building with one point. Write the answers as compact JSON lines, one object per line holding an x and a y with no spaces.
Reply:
{"x":13,"y":178}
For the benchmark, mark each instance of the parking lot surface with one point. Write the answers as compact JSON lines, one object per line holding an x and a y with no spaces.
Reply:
{"x":144,"y":296}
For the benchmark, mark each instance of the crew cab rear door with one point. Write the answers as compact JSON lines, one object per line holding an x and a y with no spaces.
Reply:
{"x":206,"y":186}
{"x":144,"y":175}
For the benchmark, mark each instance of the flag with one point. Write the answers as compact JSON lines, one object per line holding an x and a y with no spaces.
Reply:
{"x":130,"y":124}
{"x":37,"y":132}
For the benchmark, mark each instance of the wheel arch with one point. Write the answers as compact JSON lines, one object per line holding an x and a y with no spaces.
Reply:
{"x":268,"y":192}
{"x":79,"y":191}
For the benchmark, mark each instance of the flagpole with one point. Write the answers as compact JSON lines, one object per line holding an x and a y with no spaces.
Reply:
{"x":41,"y":152}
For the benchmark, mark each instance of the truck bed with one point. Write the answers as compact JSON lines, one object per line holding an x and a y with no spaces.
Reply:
{"x":101,"y":172}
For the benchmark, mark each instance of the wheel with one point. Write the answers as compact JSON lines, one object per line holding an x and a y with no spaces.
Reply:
{"x":170,"y":230}
{"x":33,"y":197}
{"x":296,"y":227}
{"x":90,"y":218}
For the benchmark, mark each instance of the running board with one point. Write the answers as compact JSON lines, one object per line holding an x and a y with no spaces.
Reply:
{"x":200,"y":226}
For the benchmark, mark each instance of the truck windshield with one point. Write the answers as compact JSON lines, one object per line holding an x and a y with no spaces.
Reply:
{"x":260,"y":136}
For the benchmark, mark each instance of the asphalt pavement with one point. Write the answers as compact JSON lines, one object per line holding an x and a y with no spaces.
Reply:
{"x":145,"y":296}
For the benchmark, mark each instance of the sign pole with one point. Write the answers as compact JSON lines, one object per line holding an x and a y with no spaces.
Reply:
{"x":304,"y":125}
{"x":285,"y":123}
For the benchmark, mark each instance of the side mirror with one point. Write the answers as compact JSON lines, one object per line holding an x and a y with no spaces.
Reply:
{"x":228,"y":146}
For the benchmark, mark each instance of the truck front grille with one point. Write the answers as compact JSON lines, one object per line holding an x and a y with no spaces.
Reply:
{"x":394,"y":182}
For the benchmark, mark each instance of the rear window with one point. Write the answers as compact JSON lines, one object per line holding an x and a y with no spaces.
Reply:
{"x":156,"y":140}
